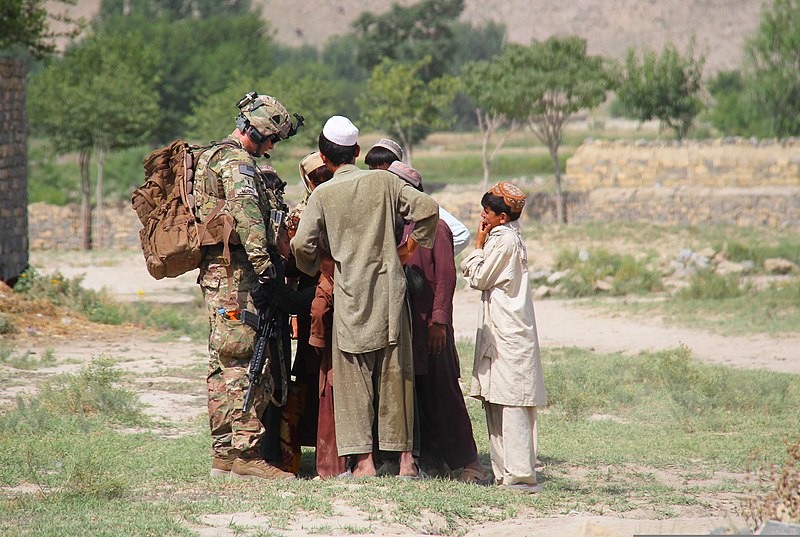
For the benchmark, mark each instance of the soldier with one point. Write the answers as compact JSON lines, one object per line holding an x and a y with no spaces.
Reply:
{"x":228,"y":180}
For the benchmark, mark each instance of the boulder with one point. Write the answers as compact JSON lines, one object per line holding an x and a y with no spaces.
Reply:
{"x":729,"y":267}
{"x":777,"y":265}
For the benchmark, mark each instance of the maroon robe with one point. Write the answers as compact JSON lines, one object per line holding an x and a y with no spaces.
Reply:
{"x":445,"y":427}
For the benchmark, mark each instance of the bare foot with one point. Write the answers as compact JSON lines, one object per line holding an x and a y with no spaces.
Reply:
{"x":365,"y":466}
{"x":408,"y":468}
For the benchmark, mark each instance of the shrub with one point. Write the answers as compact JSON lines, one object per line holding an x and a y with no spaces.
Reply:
{"x":92,"y":392}
{"x":782,"y":501}
{"x":629,"y":276}
{"x":705,"y":285}
{"x":7,"y":325}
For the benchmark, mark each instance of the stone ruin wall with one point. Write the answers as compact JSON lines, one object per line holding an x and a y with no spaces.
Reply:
{"x":722,"y":181}
{"x":13,"y":170}
{"x":727,"y":181}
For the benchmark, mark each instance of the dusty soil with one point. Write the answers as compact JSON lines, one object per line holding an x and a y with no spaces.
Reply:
{"x":170,"y":379}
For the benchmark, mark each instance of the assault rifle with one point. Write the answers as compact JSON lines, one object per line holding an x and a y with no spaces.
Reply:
{"x":265,"y":323}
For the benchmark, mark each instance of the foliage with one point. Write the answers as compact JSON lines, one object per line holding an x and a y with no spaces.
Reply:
{"x":409,"y":34}
{"x":24,"y":24}
{"x":782,"y":502}
{"x":707,"y":284}
{"x":666,"y":87}
{"x":772,"y":65}
{"x":486,"y":83}
{"x":197,"y":58}
{"x":548,"y":82}
{"x":626,"y":274}
{"x":308,"y":89}
{"x":87,"y":98}
{"x":187,"y":319}
{"x":398,"y":100}
{"x":758,"y":252}
{"x":732,"y":112}
{"x":7,"y":325}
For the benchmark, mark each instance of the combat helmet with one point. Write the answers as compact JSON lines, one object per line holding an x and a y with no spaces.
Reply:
{"x":262,"y":117}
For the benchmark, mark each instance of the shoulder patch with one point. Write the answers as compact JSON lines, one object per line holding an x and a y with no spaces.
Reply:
{"x":246,"y":169}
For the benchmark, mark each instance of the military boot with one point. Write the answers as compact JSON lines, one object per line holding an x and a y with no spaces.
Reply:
{"x":221,"y":466}
{"x":257,"y":468}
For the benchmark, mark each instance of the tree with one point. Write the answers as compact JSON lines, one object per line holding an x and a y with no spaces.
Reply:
{"x":97,"y":98}
{"x":665,"y":87}
{"x":399,"y":101}
{"x":487,"y":84}
{"x":548,"y":82}
{"x":25,"y":24}
{"x":732,"y":111}
{"x":772,"y":67}
{"x":309,"y":89}
{"x":409,"y":34}
{"x":197,"y":58}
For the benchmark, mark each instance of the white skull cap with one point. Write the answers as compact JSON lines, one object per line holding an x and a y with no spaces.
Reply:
{"x":341,"y":131}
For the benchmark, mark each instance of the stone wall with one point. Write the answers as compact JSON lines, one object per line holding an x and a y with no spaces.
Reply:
{"x":55,"y":227}
{"x":725,"y":181}
{"x":13,"y":170}
{"x":725,"y":162}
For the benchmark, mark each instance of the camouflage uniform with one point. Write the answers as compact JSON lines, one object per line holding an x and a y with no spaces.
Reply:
{"x":229,"y":172}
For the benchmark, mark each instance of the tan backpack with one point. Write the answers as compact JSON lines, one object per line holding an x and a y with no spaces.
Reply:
{"x":172,"y":238}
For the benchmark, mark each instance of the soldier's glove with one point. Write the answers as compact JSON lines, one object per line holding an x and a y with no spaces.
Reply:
{"x":264,"y":289}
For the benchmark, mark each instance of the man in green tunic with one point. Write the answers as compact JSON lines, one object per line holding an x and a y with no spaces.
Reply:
{"x":352,"y":217}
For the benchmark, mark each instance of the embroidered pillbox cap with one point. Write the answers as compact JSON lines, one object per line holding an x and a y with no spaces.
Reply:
{"x":391,"y":145}
{"x":406,"y":173}
{"x":511,"y":194}
{"x":341,"y":131}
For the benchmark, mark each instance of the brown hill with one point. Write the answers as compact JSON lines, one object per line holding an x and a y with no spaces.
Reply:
{"x":609,"y":26}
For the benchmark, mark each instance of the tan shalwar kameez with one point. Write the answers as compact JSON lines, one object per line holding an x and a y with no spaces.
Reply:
{"x":507,"y":371}
{"x":352,"y":215}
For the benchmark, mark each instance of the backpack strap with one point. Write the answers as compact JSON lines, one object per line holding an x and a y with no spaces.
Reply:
{"x":227,"y":226}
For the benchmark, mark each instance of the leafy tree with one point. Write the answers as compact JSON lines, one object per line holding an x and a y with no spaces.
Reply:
{"x":772,"y":65}
{"x":409,"y":34}
{"x":548,"y":82}
{"x":476,"y":43}
{"x":197,"y":58}
{"x":310,"y":90}
{"x":97,"y":98}
{"x":25,"y":24}
{"x":665,"y":87}
{"x":400,"y":101}
{"x":487,"y":84}
{"x":732,"y":112}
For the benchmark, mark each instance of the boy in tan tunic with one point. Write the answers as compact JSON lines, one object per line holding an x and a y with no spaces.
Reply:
{"x":352,"y":216}
{"x":507,"y":372}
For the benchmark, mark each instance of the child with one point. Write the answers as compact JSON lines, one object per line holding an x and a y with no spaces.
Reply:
{"x":507,"y":371}
{"x":383,"y":155}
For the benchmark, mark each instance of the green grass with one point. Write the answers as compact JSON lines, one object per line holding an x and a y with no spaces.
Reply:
{"x":726,"y":310}
{"x":670,"y":414}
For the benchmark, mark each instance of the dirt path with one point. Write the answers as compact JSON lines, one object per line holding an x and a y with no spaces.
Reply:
{"x":565,"y":324}
{"x":560,"y":322}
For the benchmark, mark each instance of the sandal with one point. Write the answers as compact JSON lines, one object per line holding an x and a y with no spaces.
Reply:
{"x":474,"y":477}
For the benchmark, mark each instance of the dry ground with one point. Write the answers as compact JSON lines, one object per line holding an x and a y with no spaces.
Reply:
{"x":170,"y":378}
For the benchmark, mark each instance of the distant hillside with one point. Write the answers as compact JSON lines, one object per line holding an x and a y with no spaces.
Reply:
{"x":609,"y":26}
